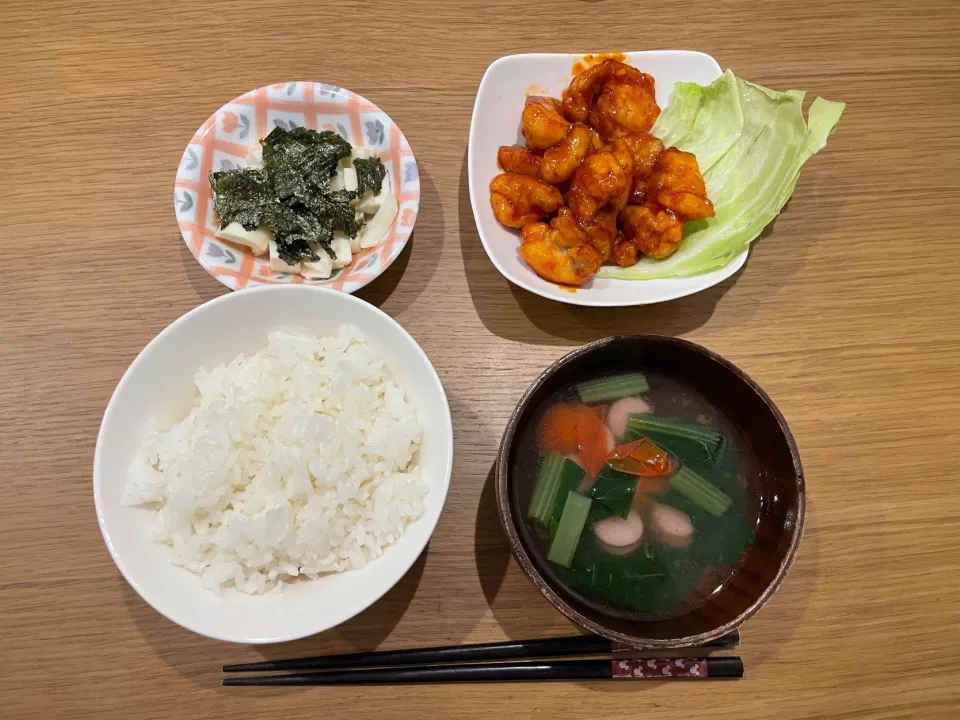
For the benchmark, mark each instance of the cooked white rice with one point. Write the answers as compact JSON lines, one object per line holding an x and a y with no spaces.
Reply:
{"x":299,"y":460}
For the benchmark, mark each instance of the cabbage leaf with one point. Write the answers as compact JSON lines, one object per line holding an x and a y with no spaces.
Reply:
{"x":750,"y":143}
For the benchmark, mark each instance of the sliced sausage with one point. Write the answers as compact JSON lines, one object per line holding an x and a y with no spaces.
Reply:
{"x":672,"y":526}
{"x":620,"y":412}
{"x":621,"y":534}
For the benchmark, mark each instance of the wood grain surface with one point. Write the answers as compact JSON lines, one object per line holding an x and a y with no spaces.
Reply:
{"x":847,"y":313}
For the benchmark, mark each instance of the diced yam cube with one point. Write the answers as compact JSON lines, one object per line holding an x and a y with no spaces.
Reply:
{"x":279,"y":265}
{"x":258,"y":240}
{"x":349,"y":179}
{"x":359,"y":152}
{"x":255,"y":159}
{"x":363,"y":152}
{"x":377,"y":228}
{"x":345,"y":179}
{"x":355,"y":241}
{"x":341,"y":250}
{"x":318,"y":269}
{"x":370,"y":203}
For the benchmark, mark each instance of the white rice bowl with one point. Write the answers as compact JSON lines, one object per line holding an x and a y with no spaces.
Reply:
{"x":298,"y":460}
{"x":159,"y":386}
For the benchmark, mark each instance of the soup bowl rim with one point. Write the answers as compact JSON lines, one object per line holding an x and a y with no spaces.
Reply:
{"x":520,"y":553}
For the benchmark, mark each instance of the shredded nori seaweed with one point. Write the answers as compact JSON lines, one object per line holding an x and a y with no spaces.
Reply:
{"x":241,"y":196}
{"x":296,"y":249}
{"x":291,"y":195}
{"x":336,"y":206}
{"x":301,"y":162}
{"x":295,"y":226}
{"x":370,"y":174}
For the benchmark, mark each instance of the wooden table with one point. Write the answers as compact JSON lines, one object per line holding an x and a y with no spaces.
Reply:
{"x":847,"y":314}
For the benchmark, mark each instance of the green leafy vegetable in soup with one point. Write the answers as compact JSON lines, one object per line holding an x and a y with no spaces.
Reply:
{"x":370,"y":174}
{"x":558,"y":476}
{"x":615,"y":490}
{"x":663,"y":521}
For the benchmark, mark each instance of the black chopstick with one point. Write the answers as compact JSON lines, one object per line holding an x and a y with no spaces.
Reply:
{"x":520,"y":649}
{"x":615,"y":669}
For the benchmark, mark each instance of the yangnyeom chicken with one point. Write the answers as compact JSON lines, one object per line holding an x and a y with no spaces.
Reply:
{"x":625,"y":253}
{"x":560,"y":161}
{"x":570,"y":231}
{"x":646,"y":150}
{"x":591,"y":183}
{"x":679,"y":185}
{"x":545,"y":250}
{"x":542,"y":123}
{"x":599,"y":179}
{"x":626,"y":104}
{"x":602,"y":232}
{"x":520,"y":160}
{"x":579,"y":94}
{"x":621,"y":151}
{"x":621,"y":72}
{"x":654,"y":231}
{"x":615,"y":97}
{"x":520,"y":199}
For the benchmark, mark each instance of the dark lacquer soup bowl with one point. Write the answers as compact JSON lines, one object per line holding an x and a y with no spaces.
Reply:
{"x":764,"y":476}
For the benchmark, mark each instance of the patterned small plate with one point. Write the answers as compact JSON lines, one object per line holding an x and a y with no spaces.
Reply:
{"x":233,"y":131}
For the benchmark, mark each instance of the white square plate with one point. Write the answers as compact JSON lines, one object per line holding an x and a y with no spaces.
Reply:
{"x":496,"y":122}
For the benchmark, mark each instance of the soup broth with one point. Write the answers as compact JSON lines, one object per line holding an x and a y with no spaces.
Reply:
{"x":637,"y":494}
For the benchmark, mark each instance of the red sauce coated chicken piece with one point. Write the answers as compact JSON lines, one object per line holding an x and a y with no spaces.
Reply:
{"x":516,"y":159}
{"x":580,"y":93}
{"x":646,"y":151}
{"x":547,"y":251}
{"x":520,"y":199}
{"x":654,"y":231}
{"x":626,"y":104}
{"x":679,"y":185}
{"x":599,"y":179}
{"x":560,"y":161}
{"x":542,"y":123}
{"x":591,"y":183}
{"x":615,"y":97}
